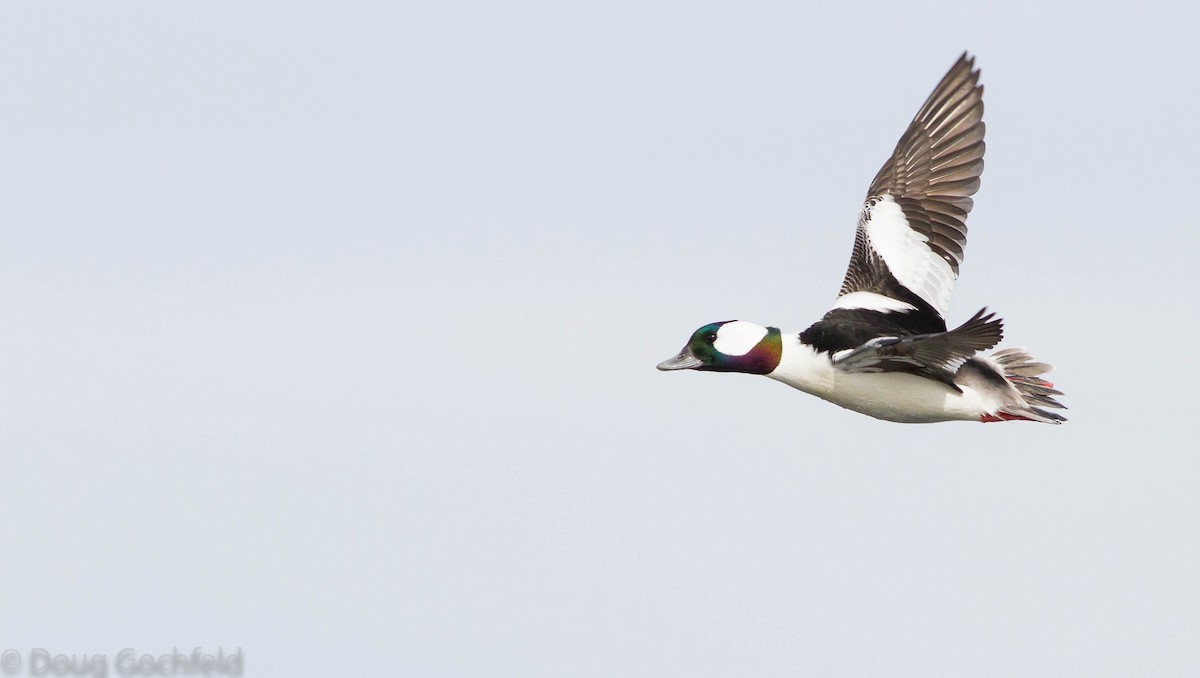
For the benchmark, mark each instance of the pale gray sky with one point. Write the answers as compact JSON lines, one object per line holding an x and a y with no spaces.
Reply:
{"x":328,"y":330}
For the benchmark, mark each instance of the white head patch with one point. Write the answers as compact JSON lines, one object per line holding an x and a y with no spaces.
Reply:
{"x":738,"y":337}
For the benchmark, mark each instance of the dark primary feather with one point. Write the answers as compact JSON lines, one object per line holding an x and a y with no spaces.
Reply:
{"x":931,"y":175}
{"x":936,"y":356}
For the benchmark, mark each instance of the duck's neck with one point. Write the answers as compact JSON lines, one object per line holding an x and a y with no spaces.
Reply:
{"x":802,"y":366}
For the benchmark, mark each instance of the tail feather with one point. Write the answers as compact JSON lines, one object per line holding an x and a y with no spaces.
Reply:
{"x":1019,"y":368}
{"x":1018,"y":363}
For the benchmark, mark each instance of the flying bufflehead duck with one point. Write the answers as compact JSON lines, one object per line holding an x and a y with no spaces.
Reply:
{"x":883,"y":349}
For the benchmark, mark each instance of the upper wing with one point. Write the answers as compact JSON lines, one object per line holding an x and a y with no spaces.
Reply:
{"x":912,"y":230}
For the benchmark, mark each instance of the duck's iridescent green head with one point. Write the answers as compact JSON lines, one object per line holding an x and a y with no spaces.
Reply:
{"x":730,"y":346}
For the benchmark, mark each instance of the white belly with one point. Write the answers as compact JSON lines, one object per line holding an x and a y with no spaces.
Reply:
{"x":894,"y":396}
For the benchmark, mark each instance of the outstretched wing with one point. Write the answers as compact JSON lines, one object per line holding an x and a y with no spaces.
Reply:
{"x":935,"y":356}
{"x":912,"y":230}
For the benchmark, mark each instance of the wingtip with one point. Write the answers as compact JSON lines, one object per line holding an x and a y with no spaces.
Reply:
{"x":966,"y":62}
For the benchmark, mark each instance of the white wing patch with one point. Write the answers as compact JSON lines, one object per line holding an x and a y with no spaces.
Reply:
{"x":908,"y":255}
{"x":872,"y":302}
{"x":738,"y":337}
